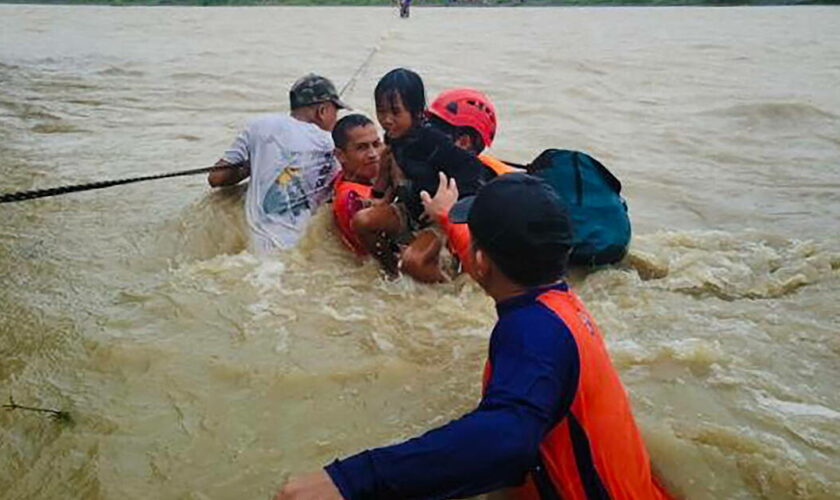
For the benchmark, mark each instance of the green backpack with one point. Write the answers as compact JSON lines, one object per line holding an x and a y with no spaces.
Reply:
{"x":600,"y":224}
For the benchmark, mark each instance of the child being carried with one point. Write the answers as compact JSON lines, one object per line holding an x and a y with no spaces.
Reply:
{"x":395,"y":229}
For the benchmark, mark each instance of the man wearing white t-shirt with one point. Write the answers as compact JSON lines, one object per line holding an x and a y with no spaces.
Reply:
{"x":289,"y":159}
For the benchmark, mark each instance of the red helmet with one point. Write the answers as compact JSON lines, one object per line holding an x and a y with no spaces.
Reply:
{"x":467,"y":108}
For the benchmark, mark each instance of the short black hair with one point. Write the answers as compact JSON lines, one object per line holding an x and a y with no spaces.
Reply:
{"x":408,"y":86}
{"x":455,"y":132}
{"x":527,"y":270}
{"x":345,"y":125}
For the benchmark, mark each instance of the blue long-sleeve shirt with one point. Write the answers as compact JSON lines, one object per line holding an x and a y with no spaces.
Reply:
{"x":535,"y":369}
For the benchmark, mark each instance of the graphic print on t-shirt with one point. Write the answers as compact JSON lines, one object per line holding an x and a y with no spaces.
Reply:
{"x":302,"y":185}
{"x":286,"y":193}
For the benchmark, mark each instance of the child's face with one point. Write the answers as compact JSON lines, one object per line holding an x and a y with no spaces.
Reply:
{"x":393,"y":116}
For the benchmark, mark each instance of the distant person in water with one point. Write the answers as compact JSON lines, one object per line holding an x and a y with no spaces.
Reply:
{"x":554,"y":420}
{"x":358,"y":149}
{"x":290,"y":162}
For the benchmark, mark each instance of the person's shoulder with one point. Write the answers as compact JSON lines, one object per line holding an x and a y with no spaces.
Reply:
{"x":344,"y":189}
{"x":535,"y":324}
{"x":265,"y":124}
{"x":428,"y":132}
{"x":532,"y":312}
{"x":267,"y":120}
{"x":285,"y":127}
{"x":313,"y":132}
{"x":341,"y":188}
{"x":422,"y":141}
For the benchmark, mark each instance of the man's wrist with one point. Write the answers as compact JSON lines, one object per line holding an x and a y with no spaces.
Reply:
{"x":335,"y":474}
{"x":442,"y":219}
{"x":355,"y":477}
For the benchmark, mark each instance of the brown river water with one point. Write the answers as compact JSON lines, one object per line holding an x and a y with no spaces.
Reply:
{"x":195,"y":370}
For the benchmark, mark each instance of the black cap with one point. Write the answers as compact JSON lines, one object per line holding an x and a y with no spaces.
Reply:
{"x":517,"y":216}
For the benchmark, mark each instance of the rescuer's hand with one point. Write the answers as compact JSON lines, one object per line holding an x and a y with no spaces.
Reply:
{"x":446,"y":196}
{"x":313,"y":486}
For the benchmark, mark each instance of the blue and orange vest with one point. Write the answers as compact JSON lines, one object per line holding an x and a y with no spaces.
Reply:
{"x":595,"y":451}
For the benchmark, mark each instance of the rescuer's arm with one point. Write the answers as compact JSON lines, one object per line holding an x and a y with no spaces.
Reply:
{"x":534,"y":376}
{"x":228,"y":176}
{"x":437,"y":209}
{"x":237,"y":154}
{"x":313,"y":486}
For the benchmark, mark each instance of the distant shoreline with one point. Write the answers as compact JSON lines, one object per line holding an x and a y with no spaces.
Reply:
{"x":430,"y":3}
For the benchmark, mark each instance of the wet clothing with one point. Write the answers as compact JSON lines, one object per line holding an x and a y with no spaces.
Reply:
{"x":535,"y":380}
{"x":348,"y":199}
{"x":498,"y":167}
{"x":458,"y":241}
{"x":595,"y":451}
{"x":292,"y":172}
{"x":424,"y":152}
{"x":458,"y":238}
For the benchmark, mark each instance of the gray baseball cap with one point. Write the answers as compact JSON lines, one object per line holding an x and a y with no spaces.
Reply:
{"x":312,"y":89}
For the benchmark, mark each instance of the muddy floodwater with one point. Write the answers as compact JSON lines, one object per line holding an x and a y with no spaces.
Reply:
{"x":194,"y":370}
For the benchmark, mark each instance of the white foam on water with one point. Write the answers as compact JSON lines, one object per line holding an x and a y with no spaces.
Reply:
{"x":198,"y":370}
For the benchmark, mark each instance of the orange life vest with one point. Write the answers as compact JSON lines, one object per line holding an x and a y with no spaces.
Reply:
{"x":496,"y":165}
{"x":596,"y":450}
{"x":348,"y":199}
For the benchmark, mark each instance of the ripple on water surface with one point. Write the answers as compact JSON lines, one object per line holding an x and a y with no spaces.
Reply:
{"x":195,"y":369}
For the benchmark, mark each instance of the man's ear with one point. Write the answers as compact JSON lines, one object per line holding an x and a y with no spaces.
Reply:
{"x":481,"y":265}
{"x":464,"y":141}
{"x":321,"y":112}
{"x":342,"y":158}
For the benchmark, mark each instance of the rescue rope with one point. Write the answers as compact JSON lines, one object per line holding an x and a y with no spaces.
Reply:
{"x":59,"y":415}
{"x":351,"y":83}
{"x":43,"y":193}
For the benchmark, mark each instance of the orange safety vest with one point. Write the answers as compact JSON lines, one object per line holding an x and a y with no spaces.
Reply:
{"x":496,"y":165}
{"x":596,"y":450}
{"x":347,"y":200}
